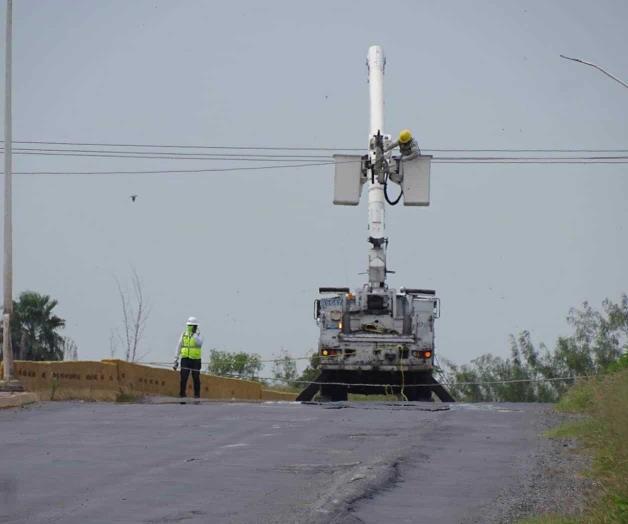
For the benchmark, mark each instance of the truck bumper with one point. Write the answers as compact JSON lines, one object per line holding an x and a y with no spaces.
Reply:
{"x":386,"y":367}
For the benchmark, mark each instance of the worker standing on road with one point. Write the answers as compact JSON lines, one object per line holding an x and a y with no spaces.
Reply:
{"x":189,"y":349}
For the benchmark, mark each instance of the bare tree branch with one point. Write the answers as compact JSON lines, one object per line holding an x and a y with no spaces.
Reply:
{"x":126,"y":319}
{"x":596,"y":67}
{"x":113,"y":347}
{"x":70,"y":349}
{"x":134,"y":315}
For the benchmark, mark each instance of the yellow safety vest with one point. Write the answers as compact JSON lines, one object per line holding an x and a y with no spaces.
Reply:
{"x":189,"y":347}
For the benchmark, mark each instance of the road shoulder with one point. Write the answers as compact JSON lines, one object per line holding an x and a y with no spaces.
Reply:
{"x":553,"y":482}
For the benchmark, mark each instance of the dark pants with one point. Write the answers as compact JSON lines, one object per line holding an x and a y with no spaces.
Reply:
{"x":193,"y":365}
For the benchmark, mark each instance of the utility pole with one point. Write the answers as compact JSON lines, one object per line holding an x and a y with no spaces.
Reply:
{"x":7,"y":351}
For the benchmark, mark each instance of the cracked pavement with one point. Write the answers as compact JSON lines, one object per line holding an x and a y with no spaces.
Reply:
{"x":75,"y":462}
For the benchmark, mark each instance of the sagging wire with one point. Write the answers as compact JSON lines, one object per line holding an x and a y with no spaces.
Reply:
{"x":310,"y":148}
{"x":392,"y":386}
{"x":205,"y":363}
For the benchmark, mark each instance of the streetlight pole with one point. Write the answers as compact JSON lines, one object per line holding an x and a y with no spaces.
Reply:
{"x":7,"y":351}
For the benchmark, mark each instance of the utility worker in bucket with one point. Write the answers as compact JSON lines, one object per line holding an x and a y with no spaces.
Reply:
{"x":189,"y":349}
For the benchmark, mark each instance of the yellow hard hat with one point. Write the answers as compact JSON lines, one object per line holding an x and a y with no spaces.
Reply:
{"x":405,"y":136}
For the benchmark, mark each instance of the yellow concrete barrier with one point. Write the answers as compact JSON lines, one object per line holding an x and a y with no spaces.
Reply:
{"x":69,"y":380}
{"x":135,"y":379}
{"x":270,"y":394}
{"x":107,"y":379}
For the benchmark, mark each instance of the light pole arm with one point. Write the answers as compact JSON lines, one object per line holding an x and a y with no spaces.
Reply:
{"x":596,"y":67}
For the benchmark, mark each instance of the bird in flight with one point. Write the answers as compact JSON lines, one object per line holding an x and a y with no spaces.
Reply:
{"x":133,"y":197}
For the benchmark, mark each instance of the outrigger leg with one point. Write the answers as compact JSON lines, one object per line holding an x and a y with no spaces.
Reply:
{"x":440,"y":391}
{"x":310,"y":391}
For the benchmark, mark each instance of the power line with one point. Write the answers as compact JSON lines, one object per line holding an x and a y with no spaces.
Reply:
{"x":278,"y":158}
{"x":271,"y":157}
{"x":173,"y":171}
{"x":396,"y":386}
{"x":616,"y":160}
{"x":527,"y":158}
{"x":252,"y":158}
{"x":295,"y":148}
{"x":448,"y":384}
{"x":26,"y":150}
{"x":206,"y":363}
{"x":571,"y":150}
{"x":287,"y":160}
{"x":170,"y":146}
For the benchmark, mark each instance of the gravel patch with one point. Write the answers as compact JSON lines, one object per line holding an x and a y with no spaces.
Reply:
{"x":553,"y":478}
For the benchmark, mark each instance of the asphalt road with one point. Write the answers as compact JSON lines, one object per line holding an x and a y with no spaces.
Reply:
{"x":274,"y":462}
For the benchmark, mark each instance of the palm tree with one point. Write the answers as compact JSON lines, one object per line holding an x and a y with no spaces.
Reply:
{"x":34,"y":328}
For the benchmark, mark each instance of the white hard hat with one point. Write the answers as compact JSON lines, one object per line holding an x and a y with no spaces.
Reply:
{"x":192,"y":321}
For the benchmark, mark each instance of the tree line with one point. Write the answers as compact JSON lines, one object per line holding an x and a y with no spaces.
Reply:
{"x":598,"y":343}
{"x":531,"y":373}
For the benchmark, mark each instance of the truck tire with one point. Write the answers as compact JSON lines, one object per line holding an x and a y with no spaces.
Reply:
{"x":419,"y":394}
{"x":333,"y":393}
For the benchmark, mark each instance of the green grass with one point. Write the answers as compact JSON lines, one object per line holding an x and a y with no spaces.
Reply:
{"x":578,"y":429}
{"x":548,"y":519}
{"x":578,"y":399}
{"x":603,"y":433}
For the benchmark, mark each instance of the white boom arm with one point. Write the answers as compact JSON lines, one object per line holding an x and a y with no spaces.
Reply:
{"x":411,"y":170}
{"x":376,"y":62}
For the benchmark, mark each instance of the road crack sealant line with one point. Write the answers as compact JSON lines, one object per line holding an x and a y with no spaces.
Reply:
{"x":450,"y":384}
{"x":363,"y":482}
{"x":356,"y":483}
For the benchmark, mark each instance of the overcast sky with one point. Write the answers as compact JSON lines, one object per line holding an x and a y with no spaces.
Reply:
{"x":507,"y":247}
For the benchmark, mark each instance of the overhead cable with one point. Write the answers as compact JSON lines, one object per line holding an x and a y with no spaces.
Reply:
{"x":172,"y":171}
{"x":617,"y":161}
{"x":315,"y":148}
{"x":163,"y":156}
{"x":406,"y":386}
{"x":171,"y":146}
{"x":287,"y":158}
{"x":174,"y":154}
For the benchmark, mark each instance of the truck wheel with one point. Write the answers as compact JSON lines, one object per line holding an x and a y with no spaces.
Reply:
{"x":419,"y":394}
{"x":333,"y":393}
{"x":342,"y":394}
